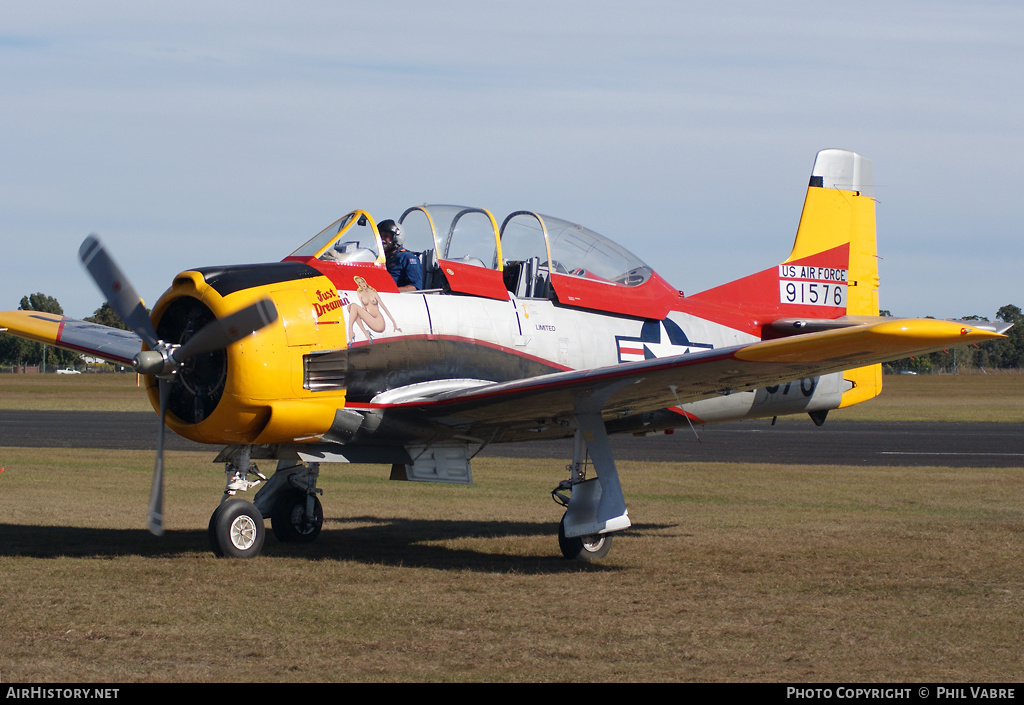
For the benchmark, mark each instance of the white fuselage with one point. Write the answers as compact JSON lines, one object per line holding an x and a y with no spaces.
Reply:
{"x":527,"y":337}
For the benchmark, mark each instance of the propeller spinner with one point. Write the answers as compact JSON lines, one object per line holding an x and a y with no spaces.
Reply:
{"x":164,"y":359}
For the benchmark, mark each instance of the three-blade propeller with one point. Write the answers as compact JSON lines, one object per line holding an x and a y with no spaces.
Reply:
{"x":165,"y":359}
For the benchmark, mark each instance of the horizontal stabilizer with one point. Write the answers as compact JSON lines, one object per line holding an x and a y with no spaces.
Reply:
{"x":810,"y":325}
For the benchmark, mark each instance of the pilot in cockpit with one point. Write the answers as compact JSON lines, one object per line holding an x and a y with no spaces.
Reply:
{"x":403,"y":266}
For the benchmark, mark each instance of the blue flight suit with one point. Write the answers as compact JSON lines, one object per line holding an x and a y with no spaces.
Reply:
{"x":404,"y":268}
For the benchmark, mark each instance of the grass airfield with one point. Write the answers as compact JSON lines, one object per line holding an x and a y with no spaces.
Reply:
{"x":732,"y":572}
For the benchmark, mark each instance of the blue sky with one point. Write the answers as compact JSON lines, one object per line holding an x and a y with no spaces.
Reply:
{"x":211,"y":133}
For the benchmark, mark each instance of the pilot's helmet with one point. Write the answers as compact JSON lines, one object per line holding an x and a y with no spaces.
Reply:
{"x":390,"y":226}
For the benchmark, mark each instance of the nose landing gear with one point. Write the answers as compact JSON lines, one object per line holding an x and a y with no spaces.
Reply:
{"x":288,"y":498}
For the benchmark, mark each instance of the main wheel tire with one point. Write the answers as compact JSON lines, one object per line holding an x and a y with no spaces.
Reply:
{"x":584,"y":548}
{"x":211,"y":532}
{"x":236,"y":530}
{"x":288,"y":518}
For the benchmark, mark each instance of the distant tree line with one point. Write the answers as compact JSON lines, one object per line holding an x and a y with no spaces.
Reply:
{"x":1006,"y":354}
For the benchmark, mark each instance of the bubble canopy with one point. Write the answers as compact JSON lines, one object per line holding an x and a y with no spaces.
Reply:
{"x":571,"y":249}
{"x":530,"y":255}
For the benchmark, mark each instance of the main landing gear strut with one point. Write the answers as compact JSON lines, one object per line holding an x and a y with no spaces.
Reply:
{"x":288,"y":498}
{"x":595,"y":507}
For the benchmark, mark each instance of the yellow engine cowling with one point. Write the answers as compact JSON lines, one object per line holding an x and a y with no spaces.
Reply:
{"x":259,"y":390}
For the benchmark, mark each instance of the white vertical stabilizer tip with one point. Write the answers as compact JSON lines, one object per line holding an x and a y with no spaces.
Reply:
{"x":841,"y":169}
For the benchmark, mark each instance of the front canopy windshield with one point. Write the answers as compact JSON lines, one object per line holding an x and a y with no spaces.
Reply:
{"x":358,"y":241}
{"x":575,"y":250}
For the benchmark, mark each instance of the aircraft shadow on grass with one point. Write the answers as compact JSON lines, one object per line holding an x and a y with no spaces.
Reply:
{"x":377,"y":540}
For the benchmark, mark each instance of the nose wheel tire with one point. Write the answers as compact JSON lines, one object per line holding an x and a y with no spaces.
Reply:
{"x":289,"y":520}
{"x":236,"y":530}
{"x":583,"y":548}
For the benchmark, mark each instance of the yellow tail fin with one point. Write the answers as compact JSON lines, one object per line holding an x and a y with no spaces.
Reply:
{"x":840,"y":209}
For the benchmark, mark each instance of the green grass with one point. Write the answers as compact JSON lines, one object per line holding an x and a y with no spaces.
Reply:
{"x":731,"y":572}
{"x":92,"y":392}
{"x":741,"y":572}
{"x":964,"y":398}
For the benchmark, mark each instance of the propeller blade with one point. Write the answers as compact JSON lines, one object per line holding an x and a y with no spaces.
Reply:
{"x":156,"y":498}
{"x":115,"y":286}
{"x":219,"y":334}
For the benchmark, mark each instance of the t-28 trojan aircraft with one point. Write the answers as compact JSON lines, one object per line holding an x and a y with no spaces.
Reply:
{"x":532,"y":329}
